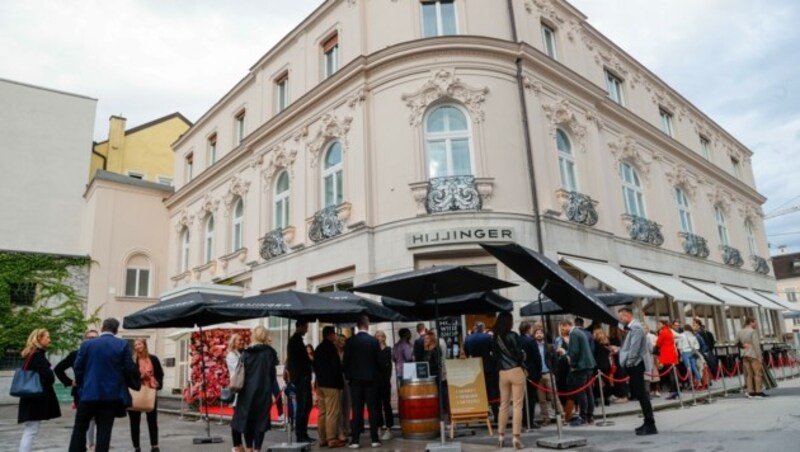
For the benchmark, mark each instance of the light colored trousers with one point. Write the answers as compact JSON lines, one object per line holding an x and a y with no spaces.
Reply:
{"x":329,"y":404}
{"x":545,"y":397}
{"x":28,"y":435}
{"x":754,"y":374}
{"x":512,"y":388}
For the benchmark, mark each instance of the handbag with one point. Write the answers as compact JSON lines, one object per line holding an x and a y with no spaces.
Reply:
{"x":143,"y":400}
{"x":26,"y":383}
{"x":237,"y":379}
{"x":226,"y":395}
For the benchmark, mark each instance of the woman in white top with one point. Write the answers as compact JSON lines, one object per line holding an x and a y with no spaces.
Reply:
{"x":235,"y":346}
{"x":689,"y":347}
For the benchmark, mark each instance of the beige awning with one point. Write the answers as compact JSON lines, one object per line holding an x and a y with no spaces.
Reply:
{"x":718,"y":292}
{"x":777,"y":300}
{"x":613,"y":278}
{"x":752,"y":296}
{"x":673,"y":287}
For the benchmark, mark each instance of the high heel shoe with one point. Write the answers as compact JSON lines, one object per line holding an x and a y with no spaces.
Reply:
{"x":500,"y":441}
{"x":518,"y":443}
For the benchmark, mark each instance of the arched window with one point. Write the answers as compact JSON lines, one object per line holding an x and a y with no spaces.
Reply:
{"x":447,"y":142}
{"x":209,"y":241}
{"x":137,"y":276}
{"x":751,"y":238}
{"x":684,"y":213}
{"x":184,"y":258}
{"x":332,"y":176}
{"x":722,"y":227}
{"x":632,"y":191}
{"x":237,"y":225}
{"x":566,"y":162}
{"x":280,"y":203}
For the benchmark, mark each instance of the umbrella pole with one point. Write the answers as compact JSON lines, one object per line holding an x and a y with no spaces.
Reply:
{"x":441,"y":365}
{"x":208,"y":439}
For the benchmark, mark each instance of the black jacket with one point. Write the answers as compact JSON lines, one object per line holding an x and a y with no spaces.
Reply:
{"x":45,"y":407}
{"x":384,"y":371}
{"x":61,"y":374}
{"x":254,"y":401}
{"x":508,"y":354}
{"x":328,"y":366}
{"x":361,"y":358}
{"x":533,"y":359}
{"x":419,"y":348}
{"x":297,"y":361}
{"x":158,"y":371}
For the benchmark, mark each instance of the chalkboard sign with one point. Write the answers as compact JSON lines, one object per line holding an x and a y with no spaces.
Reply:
{"x":423,"y":371}
{"x":451,"y":334}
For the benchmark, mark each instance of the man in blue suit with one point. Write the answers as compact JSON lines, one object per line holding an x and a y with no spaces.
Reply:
{"x":104,"y":369}
{"x":361,"y":361}
{"x":479,"y":345}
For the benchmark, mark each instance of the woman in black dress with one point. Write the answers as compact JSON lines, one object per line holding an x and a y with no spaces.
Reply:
{"x":383,"y":379}
{"x":33,"y":410}
{"x":254,"y":401}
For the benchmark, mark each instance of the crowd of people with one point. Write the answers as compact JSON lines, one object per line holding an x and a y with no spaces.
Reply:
{"x":522,"y":370}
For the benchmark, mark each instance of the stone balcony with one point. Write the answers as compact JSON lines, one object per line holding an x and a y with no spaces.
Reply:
{"x":731,"y":256}
{"x":577,"y":207}
{"x":694,"y":245}
{"x":328,"y":222}
{"x":643,"y":230}
{"x":275,"y":243}
{"x":760,"y":264}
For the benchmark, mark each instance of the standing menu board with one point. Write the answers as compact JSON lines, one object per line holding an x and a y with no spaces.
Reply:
{"x":466,"y":388}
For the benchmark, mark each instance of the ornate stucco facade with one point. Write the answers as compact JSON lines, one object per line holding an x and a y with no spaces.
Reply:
{"x":416,"y":148}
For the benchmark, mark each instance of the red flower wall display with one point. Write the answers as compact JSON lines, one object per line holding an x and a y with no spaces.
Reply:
{"x":215,"y":343}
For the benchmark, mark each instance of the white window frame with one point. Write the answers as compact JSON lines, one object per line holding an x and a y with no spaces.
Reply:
{"x":282,"y":92}
{"x":211,"y":153}
{"x":684,"y":211}
{"x":237,"y":226}
{"x":549,"y":41}
{"x":184,"y":256}
{"x":791,"y":295}
{"x":164,"y":180}
{"x":239,"y":124}
{"x":336,"y":172}
{"x":208,"y":241}
{"x":330,"y":55}
{"x":448,"y":137}
{"x":666,"y":121}
{"x":705,"y":147}
{"x":632,"y":186}
{"x":439,"y":17}
{"x":138,"y":271}
{"x":751,"y":238}
{"x":736,"y":166}
{"x":280,"y":202}
{"x":566,"y":163}
{"x":722,"y":226}
{"x":188,"y":170}
{"x":614,"y":86}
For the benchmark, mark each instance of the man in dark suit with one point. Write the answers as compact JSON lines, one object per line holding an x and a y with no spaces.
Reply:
{"x":533,"y":364}
{"x":361,"y":358}
{"x":104,"y":370}
{"x":479,"y":345}
{"x":419,"y":346}
{"x":298,"y":366}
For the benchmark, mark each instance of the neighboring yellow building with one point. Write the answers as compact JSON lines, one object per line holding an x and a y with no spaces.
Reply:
{"x":143,"y":152}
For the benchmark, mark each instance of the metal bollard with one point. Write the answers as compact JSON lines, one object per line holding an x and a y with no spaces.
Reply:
{"x":722,"y":379}
{"x":528,"y":406}
{"x":677,"y":384}
{"x":691,"y":385}
{"x":737,"y":363}
{"x":604,"y":422}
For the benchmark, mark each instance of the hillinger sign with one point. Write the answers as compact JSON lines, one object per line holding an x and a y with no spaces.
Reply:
{"x":478,"y":234}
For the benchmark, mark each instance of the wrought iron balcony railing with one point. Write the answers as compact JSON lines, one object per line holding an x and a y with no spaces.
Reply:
{"x":694,"y":245}
{"x":760,"y":264}
{"x":579,"y":208}
{"x":731,"y":256}
{"x":452,"y":193}
{"x":273,"y":244}
{"x":325,"y":224}
{"x":643,"y":230}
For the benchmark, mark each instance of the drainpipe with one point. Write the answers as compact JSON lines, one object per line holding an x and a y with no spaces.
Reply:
{"x":105,"y":159}
{"x":526,"y":133}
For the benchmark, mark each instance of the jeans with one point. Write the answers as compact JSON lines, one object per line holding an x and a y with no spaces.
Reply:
{"x":691,"y":363}
{"x":640,"y":392}
{"x":28,"y":435}
{"x":152,"y":426}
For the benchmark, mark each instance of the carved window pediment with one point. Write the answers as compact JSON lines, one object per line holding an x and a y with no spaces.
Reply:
{"x":238,"y":188}
{"x":332,"y":128}
{"x":184,"y":220}
{"x":681,"y":177}
{"x":280,"y":159}
{"x":443,"y":84}
{"x":625,"y":149}
{"x":721,"y":198}
{"x":562,"y":114}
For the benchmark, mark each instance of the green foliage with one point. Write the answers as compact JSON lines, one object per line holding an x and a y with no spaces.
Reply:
{"x":56,"y":305}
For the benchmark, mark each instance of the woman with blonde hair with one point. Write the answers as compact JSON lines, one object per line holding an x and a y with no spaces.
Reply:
{"x":33,"y":410}
{"x":383,"y":386}
{"x":254,"y":401}
{"x":152,"y":376}
{"x":235,"y":347}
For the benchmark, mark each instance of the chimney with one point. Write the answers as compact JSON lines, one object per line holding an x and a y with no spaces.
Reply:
{"x":116,"y":143}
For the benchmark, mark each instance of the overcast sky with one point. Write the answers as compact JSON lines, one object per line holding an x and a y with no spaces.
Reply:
{"x":737,"y":60}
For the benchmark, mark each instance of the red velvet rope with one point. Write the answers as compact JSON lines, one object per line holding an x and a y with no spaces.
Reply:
{"x":564,"y":394}
{"x":611,"y":378}
{"x":685,"y":377}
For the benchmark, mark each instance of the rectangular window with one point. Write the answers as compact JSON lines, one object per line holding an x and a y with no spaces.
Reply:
{"x":282,"y":92}
{"x":737,"y":167}
{"x":188,"y":167}
{"x":330,"y":52}
{"x":136,"y":175}
{"x":239,"y":127}
{"x":705,"y":147}
{"x":21,"y":294}
{"x":137,"y":282}
{"x":165,"y":180}
{"x":438,"y":18}
{"x":791,"y":294}
{"x":336,"y":287}
{"x":666,"y":121}
{"x":549,"y":41}
{"x":614,"y":87}
{"x":212,"y":149}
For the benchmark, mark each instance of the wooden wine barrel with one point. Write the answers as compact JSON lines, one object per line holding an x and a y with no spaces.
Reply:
{"x":419,"y":408}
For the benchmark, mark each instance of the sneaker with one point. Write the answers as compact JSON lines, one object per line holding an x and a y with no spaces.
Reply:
{"x":762,"y":395}
{"x":387,"y":435}
{"x":647,"y":430}
{"x":577,"y":422}
{"x":376,"y":444}
{"x":657,"y":394}
{"x":354,"y":446}
{"x":757,"y":395}
{"x":751,"y":395}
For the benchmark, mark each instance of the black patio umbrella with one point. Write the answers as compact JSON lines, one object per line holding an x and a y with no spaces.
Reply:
{"x":472,"y":303}
{"x":184,"y":311}
{"x":289,"y":304}
{"x":549,"y":307}
{"x":552,"y":281}
{"x":433,"y":283}
{"x":372,"y":309}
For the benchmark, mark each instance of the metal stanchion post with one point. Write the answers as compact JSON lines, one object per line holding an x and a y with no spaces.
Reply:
{"x":219,"y":422}
{"x":783,"y":367}
{"x":721,"y":373}
{"x":738,"y":368}
{"x":691,"y":385}
{"x":708,"y":386}
{"x":527,"y":406}
{"x":604,"y":422}
{"x":677,"y":384}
